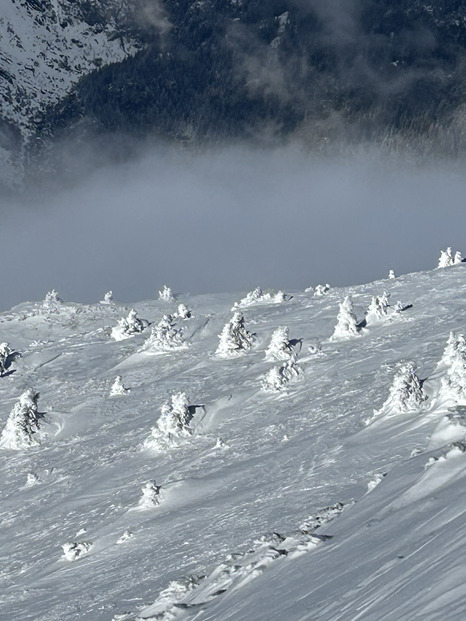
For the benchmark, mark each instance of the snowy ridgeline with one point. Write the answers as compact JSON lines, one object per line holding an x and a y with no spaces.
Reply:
{"x":120,"y":460}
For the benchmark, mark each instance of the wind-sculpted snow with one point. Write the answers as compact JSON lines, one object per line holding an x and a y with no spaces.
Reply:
{"x":210,"y":506}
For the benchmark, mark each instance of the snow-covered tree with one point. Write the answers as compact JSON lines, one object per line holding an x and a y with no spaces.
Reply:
{"x":391,"y":274}
{"x":108,"y":298}
{"x":74,"y":550}
{"x":280,"y":347}
{"x":321,"y":290}
{"x":183,"y":312}
{"x":259,"y":297}
{"x":165,"y":336}
{"x":22,"y":423}
{"x":453,"y":384}
{"x":347,"y":324}
{"x":52,"y":302}
{"x":234,"y":338}
{"x":7,"y":355}
{"x":455,"y":343}
{"x":129,"y":326}
{"x":150,"y":495}
{"x":445,"y":259}
{"x":406,"y":394}
{"x":166,"y":294}
{"x":173,"y":422}
{"x":117,"y":388}
{"x":175,"y":416}
{"x":378,"y":308}
{"x":278,"y":377}
{"x":458,"y":258}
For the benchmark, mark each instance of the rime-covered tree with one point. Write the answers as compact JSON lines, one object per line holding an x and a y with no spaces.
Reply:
{"x":165,"y":336}
{"x":150,"y":495}
{"x":52,"y":302}
{"x":259,"y":297}
{"x":378,"y":308}
{"x":458,"y":258}
{"x":234,"y":338}
{"x":453,"y":384}
{"x":75,"y":549}
{"x":183,"y":312}
{"x":118,"y":388}
{"x":445,"y":259}
{"x":166,"y":294}
{"x":173,"y":422}
{"x":391,"y":274}
{"x":280,"y":347}
{"x":23,"y":422}
{"x":321,"y":290}
{"x":278,"y":377}
{"x":129,"y":326}
{"x":108,"y":298}
{"x":347,"y":324}
{"x":406,"y":394}
{"x":7,"y":356}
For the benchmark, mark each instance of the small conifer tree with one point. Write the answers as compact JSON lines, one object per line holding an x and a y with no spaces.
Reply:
{"x":165,"y":336}
{"x":347,"y":324}
{"x":234,"y":338}
{"x":150,"y":495}
{"x":445,"y":259}
{"x":280,"y":347}
{"x":278,"y":377}
{"x":406,"y":394}
{"x":166,"y":294}
{"x":23,"y":423}
{"x":129,"y":326}
{"x":453,"y":384}
{"x":118,"y":388}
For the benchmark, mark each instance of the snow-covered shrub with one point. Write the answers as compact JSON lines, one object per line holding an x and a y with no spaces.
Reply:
{"x":52,"y":302}
{"x":259,"y":297}
{"x":234,"y":338}
{"x":321,"y":290}
{"x":347,"y":324}
{"x":173,"y":423}
{"x":280,"y":347}
{"x":453,"y":384}
{"x":278,"y":377}
{"x":391,"y":274}
{"x":7,"y":355}
{"x":129,"y":326}
{"x":108,"y":298}
{"x":165,"y":336}
{"x":22,"y":423}
{"x":183,"y":312}
{"x":166,"y":294}
{"x":117,"y":388}
{"x":445,"y":258}
{"x":378,"y":308}
{"x":74,"y":550}
{"x":150,"y":495}
{"x":406,"y":394}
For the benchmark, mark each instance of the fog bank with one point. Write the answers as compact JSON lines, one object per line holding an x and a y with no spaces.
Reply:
{"x":230,"y":220}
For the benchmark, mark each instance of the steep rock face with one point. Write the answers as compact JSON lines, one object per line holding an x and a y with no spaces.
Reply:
{"x":45,"y":47}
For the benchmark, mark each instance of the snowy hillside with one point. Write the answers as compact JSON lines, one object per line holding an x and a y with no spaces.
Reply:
{"x":298,"y":467}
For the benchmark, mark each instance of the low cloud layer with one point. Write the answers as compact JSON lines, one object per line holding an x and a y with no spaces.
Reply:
{"x":230,"y":220}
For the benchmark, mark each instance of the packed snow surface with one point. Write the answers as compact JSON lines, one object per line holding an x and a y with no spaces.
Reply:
{"x":311,"y":501}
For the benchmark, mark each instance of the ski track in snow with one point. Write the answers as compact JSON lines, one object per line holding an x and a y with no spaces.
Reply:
{"x":255,"y":462}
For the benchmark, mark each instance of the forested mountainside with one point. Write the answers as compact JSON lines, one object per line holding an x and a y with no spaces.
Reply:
{"x":217,"y":69}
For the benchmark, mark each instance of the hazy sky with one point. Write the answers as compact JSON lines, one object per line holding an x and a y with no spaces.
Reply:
{"x":230,"y":220}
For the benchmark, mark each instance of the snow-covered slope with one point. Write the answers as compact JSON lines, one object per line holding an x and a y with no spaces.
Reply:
{"x":298,"y":503}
